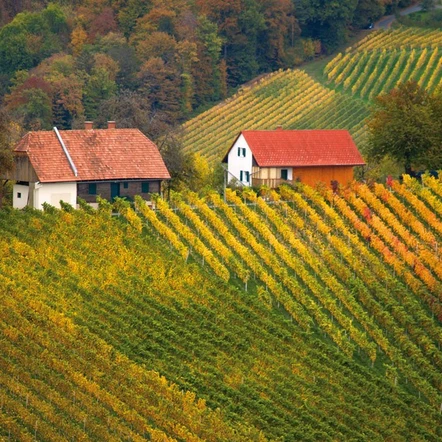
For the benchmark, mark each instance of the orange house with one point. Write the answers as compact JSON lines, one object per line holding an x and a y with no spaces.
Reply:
{"x":271,"y":157}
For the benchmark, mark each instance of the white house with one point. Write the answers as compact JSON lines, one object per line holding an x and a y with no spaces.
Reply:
{"x":270,"y":157}
{"x":54,"y":166}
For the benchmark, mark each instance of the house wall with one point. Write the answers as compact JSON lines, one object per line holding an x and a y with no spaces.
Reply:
{"x":52,"y":193}
{"x":104,"y":190}
{"x":313,"y":175}
{"x":271,"y":176}
{"x":20,"y":196}
{"x":237,"y":163}
{"x":272,"y":173}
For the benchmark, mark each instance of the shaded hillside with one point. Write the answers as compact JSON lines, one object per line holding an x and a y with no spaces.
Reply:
{"x":338,"y":99}
{"x":303,"y":316}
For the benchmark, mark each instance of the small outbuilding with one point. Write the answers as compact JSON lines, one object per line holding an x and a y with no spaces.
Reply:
{"x":62,"y":165}
{"x":272,"y":157}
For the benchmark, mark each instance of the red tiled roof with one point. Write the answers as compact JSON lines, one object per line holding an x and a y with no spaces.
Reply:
{"x":98,"y":154}
{"x":273,"y":148}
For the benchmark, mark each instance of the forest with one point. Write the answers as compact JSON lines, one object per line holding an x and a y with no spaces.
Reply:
{"x":153,"y":64}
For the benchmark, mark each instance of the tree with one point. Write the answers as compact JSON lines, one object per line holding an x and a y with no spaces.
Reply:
{"x":179,"y":165}
{"x":206,"y":73}
{"x":186,"y":56}
{"x":100,"y":85}
{"x":66,"y":87}
{"x":30,"y":102}
{"x":406,"y":125}
{"x":131,"y":110}
{"x":116,"y":46}
{"x":428,"y":5}
{"x":128,"y":12}
{"x":325,"y":20}
{"x":30,"y":38}
{"x":161,"y":86}
{"x":367,"y":11}
{"x":6,"y":158}
{"x":78,"y":39}
{"x":280,"y":30}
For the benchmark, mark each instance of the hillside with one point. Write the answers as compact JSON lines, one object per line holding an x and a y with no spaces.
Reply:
{"x":338,"y":97}
{"x":301,"y":316}
{"x":151,"y":64}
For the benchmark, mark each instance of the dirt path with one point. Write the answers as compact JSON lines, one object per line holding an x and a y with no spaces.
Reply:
{"x":386,"y":21}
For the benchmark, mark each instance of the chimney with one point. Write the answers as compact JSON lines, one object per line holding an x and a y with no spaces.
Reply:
{"x":88,"y":125}
{"x":111,"y":125}
{"x":279,"y":128}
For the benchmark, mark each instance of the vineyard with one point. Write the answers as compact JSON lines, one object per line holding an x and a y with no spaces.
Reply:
{"x":288,"y":98}
{"x":301,"y":314}
{"x":384,"y":59}
{"x":349,"y":83}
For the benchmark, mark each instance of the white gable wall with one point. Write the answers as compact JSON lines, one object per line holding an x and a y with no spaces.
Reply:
{"x":20,"y":195}
{"x":237,"y":163}
{"x":38,"y":193}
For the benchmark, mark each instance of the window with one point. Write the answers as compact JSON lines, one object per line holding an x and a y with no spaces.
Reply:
{"x":284,"y":174}
{"x":92,"y":189}
{"x":145,"y":187}
{"x":18,"y":194}
{"x":241,"y":152}
{"x":126,"y":185}
{"x":244,"y":176}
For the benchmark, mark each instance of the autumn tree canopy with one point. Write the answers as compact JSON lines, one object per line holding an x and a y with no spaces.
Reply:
{"x":406,"y":125}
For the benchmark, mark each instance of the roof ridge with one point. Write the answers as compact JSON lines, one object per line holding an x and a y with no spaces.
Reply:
{"x":66,"y":151}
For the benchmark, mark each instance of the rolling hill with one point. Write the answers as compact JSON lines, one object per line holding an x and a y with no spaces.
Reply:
{"x":339,"y":98}
{"x":304,"y":315}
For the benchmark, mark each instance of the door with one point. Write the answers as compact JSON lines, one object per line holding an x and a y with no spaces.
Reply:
{"x":115,"y":190}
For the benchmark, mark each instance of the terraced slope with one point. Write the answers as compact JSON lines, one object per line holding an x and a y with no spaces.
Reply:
{"x":384,"y":59}
{"x":296,"y":101}
{"x":362,"y":266}
{"x":303,"y":315}
{"x":64,"y":374}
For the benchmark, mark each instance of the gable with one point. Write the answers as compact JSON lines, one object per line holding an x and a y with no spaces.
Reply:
{"x":22,"y":170}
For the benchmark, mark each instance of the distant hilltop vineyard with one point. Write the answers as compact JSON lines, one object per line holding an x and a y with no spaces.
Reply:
{"x":384,"y":59}
{"x":340,"y":100}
